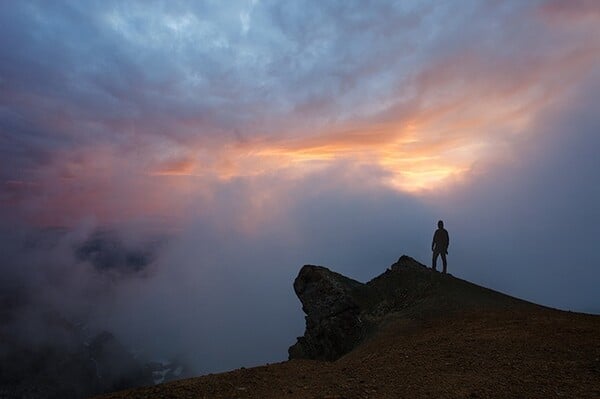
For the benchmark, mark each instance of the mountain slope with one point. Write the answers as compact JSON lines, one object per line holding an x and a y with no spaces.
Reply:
{"x":341,"y":312}
{"x":414,"y":333}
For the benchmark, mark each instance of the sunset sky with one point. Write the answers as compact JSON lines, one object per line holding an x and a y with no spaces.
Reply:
{"x":247,"y":138}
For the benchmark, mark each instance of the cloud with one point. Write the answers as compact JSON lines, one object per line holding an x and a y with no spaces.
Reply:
{"x":218,"y":275}
{"x":105,"y":251}
{"x":224,"y":278}
{"x":181,"y":92}
{"x":571,"y":12}
{"x":529,"y":227}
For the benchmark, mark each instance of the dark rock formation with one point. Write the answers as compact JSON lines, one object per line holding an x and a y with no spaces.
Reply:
{"x":341,"y":312}
{"x":333,"y":324}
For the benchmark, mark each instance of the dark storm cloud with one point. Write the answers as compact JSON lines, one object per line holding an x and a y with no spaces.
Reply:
{"x":151,"y":79}
{"x":89,"y":72}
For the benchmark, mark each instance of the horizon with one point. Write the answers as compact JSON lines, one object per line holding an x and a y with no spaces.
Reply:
{"x":167,"y":168}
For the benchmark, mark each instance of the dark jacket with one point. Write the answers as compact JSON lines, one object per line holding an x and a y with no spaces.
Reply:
{"x":441,"y":240}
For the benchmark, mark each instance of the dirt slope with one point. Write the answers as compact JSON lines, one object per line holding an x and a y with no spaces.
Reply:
{"x":456,"y":340}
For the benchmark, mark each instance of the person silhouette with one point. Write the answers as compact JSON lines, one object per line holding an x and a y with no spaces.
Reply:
{"x":439,"y":246}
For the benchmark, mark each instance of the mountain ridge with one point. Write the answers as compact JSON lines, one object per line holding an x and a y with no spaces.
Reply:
{"x":341,"y":312}
{"x":412,"y":332}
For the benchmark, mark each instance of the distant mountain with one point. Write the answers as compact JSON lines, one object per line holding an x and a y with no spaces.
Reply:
{"x":415,"y":333}
{"x":43,"y":353}
{"x":63,"y":363}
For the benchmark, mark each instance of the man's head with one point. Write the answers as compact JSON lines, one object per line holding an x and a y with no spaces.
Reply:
{"x":440,"y":224}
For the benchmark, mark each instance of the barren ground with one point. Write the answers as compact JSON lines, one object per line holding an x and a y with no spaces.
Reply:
{"x":524,"y":352}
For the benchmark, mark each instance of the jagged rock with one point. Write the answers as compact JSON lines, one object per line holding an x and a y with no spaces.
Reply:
{"x":341,"y":312}
{"x":333,"y":324}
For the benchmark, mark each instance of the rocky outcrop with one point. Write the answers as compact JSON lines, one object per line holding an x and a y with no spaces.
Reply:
{"x":333,"y":323}
{"x":341,"y":312}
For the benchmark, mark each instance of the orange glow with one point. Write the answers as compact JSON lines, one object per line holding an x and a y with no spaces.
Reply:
{"x":175,"y":167}
{"x":419,"y":155}
{"x":458,"y":123}
{"x":464,"y":110}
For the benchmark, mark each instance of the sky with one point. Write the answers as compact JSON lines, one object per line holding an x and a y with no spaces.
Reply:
{"x":166,"y":168}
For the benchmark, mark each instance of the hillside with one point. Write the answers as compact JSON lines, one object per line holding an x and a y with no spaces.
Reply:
{"x":414,"y":333}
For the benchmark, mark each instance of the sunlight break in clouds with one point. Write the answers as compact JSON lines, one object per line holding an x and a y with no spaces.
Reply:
{"x":183,"y":99}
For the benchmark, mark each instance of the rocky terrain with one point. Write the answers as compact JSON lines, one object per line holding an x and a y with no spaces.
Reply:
{"x":75,"y":367}
{"x":415,"y":333}
{"x":341,"y":313}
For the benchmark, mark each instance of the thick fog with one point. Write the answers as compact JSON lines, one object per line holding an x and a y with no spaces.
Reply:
{"x":218,"y":292}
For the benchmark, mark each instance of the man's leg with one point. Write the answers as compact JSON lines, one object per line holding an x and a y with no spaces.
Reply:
{"x":444,"y":262}
{"x":434,"y":259}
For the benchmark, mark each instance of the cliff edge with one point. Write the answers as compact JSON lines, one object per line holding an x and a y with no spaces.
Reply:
{"x":341,"y":312}
{"x":414,"y":333}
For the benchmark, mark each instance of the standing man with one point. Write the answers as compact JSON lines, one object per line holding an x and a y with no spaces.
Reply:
{"x":439,"y":245}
